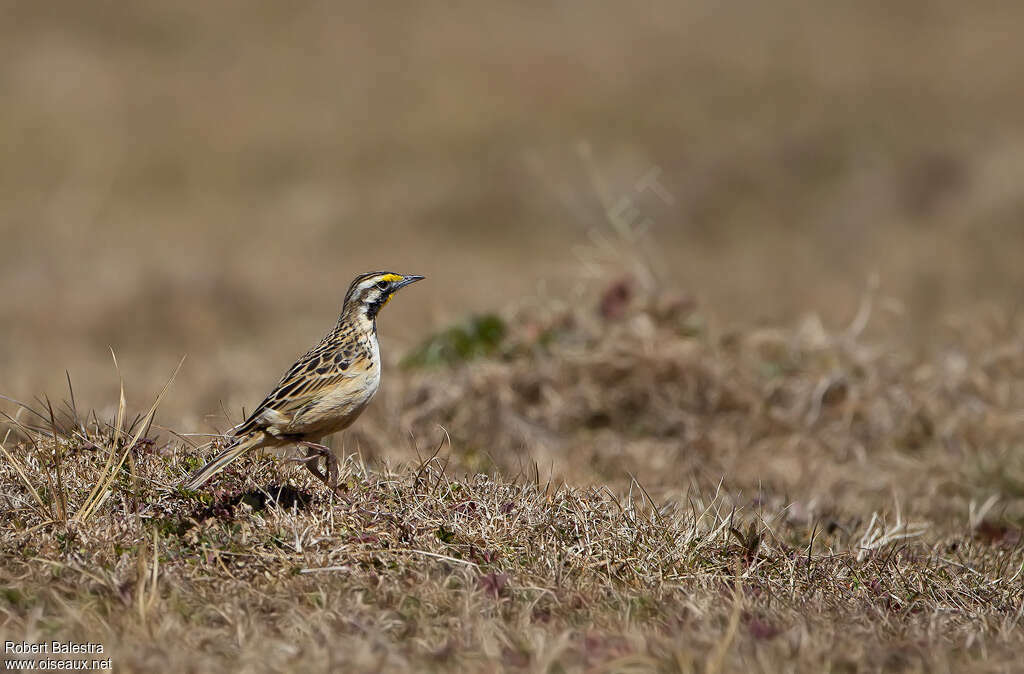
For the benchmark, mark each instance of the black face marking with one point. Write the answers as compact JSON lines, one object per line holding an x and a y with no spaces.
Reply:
{"x":373,"y":307}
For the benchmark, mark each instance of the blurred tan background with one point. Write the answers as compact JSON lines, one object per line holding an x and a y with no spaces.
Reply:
{"x":205,"y":178}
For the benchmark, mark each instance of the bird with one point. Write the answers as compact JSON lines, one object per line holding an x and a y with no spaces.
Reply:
{"x":324,"y":391}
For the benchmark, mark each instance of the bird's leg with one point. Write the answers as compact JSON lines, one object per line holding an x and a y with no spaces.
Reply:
{"x":310,"y":462}
{"x":315,"y":451}
{"x":332,"y":471}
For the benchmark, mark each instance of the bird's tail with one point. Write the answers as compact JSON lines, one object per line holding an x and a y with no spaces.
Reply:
{"x":220,"y":462}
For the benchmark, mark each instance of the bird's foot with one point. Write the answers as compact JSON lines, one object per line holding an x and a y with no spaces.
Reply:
{"x":312,"y":461}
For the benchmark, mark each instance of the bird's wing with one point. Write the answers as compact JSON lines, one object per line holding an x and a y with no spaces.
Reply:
{"x":317,"y":372}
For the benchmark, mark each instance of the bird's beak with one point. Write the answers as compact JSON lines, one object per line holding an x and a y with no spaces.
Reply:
{"x":406,"y":280}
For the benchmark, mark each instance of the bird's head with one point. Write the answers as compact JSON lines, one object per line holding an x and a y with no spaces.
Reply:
{"x":371,"y":291}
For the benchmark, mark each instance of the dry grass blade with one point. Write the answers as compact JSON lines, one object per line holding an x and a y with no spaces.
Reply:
{"x":118,"y":424}
{"x":716,"y":658}
{"x":73,"y":405}
{"x":60,"y":492}
{"x":24,"y":478}
{"x":110,"y":473}
{"x":25,"y":407}
{"x":121,"y":405}
{"x":146,"y":590}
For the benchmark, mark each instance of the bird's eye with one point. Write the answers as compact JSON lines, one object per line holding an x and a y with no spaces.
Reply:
{"x":383,"y":285}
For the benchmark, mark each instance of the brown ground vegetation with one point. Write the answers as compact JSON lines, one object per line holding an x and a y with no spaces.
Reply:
{"x":623,"y":492}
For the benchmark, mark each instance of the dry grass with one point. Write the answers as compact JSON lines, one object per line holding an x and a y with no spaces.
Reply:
{"x":779,"y":499}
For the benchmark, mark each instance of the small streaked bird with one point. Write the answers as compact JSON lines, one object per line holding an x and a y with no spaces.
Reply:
{"x":324,"y":391}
